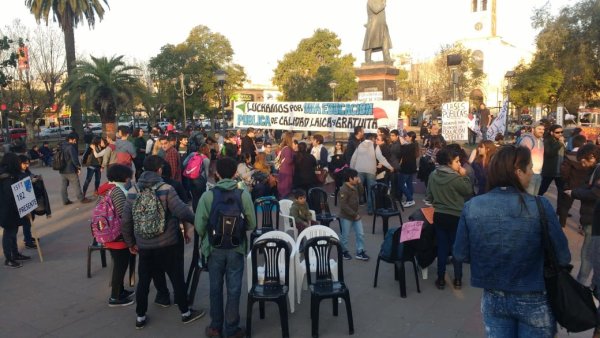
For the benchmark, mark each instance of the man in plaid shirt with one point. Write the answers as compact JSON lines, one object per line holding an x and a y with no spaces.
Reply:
{"x":172,"y":156}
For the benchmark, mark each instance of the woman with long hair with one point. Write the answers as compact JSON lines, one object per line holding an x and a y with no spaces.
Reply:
{"x":304,"y":167}
{"x":10,"y":173}
{"x":447,"y":191}
{"x":139,"y":143}
{"x":285,"y":160}
{"x":94,"y":165}
{"x":484,"y":153}
{"x":505,"y":248}
{"x":409,"y":153}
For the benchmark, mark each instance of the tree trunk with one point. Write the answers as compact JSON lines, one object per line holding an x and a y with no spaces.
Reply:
{"x":67,"y":27}
{"x":110,"y":129}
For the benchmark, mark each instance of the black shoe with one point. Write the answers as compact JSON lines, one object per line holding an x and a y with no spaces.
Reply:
{"x":126,"y":293}
{"x":31,"y":245}
{"x":124,"y":301}
{"x":163,"y":301}
{"x":85,"y":200}
{"x":194,"y":314}
{"x":440,"y":283}
{"x":139,"y":324}
{"x":67,"y":202}
{"x":12,"y":264}
{"x":457,"y":284}
{"x":346,"y":255}
{"x":20,"y":257}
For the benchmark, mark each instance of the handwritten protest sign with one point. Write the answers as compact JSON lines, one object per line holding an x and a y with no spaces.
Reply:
{"x":455,"y":121}
{"x":24,"y":196}
{"x":411,"y":230}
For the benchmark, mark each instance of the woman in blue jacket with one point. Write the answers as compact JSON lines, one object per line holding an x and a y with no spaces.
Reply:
{"x":500,"y":233}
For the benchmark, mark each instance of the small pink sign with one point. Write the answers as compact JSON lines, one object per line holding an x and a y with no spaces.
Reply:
{"x":411,"y":230}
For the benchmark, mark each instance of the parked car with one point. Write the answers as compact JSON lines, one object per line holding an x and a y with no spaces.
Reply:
{"x":15,"y":134}
{"x":97,"y":131}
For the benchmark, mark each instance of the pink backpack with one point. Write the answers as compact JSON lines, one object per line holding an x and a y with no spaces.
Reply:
{"x":194,"y":167}
{"x":106,"y":224}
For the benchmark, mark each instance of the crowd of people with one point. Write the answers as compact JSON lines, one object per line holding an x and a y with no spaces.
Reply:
{"x":467,"y":192}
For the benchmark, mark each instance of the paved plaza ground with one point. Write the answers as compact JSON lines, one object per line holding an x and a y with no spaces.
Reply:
{"x":56,"y":299}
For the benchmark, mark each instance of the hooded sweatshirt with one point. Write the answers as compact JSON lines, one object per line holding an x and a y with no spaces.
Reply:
{"x":448,"y":190}
{"x":203,"y":214}
{"x":364,"y":160}
{"x":175,"y":211}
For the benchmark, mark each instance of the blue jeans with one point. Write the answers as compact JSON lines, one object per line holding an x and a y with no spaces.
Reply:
{"x":534,"y":185}
{"x":358,"y":232}
{"x":91,"y":171}
{"x":369,"y":180}
{"x":225,"y":265}
{"x":26,"y":223}
{"x":405,"y":186}
{"x":484,"y":133}
{"x":70,"y":179}
{"x":507,"y":314}
{"x":586,"y":256}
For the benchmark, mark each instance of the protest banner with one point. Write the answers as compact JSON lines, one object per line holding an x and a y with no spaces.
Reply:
{"x":411,"y":231}
{"x":455,"y":121}
{"x":316,"y":116}
{"x":498,"y":125}
{"x":24,"y":196}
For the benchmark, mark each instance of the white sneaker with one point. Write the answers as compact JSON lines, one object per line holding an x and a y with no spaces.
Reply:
{"x":427,"y":203}
{"x":408,"y":204}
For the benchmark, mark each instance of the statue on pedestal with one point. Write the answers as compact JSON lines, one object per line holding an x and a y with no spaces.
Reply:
{"x":377,"y":36}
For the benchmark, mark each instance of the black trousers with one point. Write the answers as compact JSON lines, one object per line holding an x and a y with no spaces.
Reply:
{"x":168,"y":259}
{"x":120,"y":260}
{"x":546,"y":181}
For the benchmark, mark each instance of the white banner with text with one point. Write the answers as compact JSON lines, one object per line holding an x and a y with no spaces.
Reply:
{"x":455,"y":121}
{"x":317,"y":116}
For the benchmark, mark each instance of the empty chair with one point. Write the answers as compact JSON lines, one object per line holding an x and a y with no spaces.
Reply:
{"x":323,"y":286}
{"x":289,"y":223}
{"x":308,"y":233}
{"x":384,"y":206}
{"x":267,"y":216}
{"x":398,"y":255}
{"x":317,"y":201}
{"x":95,"y":246}
{"x":292,"y":272}
{"x":271,"y":288}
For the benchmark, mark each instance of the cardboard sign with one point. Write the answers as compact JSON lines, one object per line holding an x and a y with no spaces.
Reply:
{"x":428,"y":213}
{"x":411,"y":231}
{"x":24,"y":196}
{"x":455,"y":121}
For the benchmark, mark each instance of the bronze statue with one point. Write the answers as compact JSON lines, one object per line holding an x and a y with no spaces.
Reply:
{"x":377,"y":36}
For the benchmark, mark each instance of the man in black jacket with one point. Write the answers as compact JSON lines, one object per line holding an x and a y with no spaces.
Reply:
{"x":71,"y":169}
{"x":248,"y":145}
{"x":353,"y":142}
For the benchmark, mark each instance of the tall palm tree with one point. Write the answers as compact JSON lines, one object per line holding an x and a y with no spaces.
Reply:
{"x":108,"y":86}
{"x":68,"y":14}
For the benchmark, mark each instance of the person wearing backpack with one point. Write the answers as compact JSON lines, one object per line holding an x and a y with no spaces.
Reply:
{"x":70,"y":170}
{"x":150,"y":227}
{"x":219,"y":208}
{"x":197,"y":167}
{"x":109,"y":208}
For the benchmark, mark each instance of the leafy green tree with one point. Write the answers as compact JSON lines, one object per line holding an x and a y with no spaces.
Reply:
{"x":305,"y":73}
{"x":535,"y":83}
{"x":68,"y":14}
{"x":8,"y":60}
{"x":108,"y":85}
{"x":569,"y":44}
{"x":198,"y":57}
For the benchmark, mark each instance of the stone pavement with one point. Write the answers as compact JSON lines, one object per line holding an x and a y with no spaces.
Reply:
{"x":56,"y":299}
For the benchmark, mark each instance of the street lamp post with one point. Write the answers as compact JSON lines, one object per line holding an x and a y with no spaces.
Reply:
{"x":333,"y":84}
{"x":184,"y":93}
{"x":221,"y":77}
{"x":508,"y":76}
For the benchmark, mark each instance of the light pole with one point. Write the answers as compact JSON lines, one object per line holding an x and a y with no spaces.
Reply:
{"x":184,"y":93}
{"x":508,"y":76}
{"x":333,"y":84}
{"x":221,"y":77}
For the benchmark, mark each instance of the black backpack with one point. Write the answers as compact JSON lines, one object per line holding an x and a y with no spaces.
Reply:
{"x":426,"y":167}
{"x":59,"y":162}
{"x":226,"y":223}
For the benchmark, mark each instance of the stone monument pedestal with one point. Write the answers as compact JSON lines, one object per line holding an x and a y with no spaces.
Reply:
{"x":376,"y":81}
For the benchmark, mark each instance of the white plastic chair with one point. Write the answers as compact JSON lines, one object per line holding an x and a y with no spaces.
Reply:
{"x":308,"y":233}
{"x":286,"y":237}
{"x":289,"y":223}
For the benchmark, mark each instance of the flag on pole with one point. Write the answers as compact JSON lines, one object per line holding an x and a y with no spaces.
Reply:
{"x":498,"y":126}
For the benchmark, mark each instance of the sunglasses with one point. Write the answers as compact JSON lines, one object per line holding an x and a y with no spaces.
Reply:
{"x":558,"y":132}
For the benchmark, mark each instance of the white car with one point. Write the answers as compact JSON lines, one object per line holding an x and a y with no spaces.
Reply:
{"x":97,"y":131}
{"x":49,"y":132}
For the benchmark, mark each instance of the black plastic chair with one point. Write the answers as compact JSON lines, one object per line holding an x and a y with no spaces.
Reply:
{"x":268,"y":209}
{"x":384,"y":206}
{"x":323,"y":286}
{"x":95,"y":246}
{"x":271,"y":290}
{"x":408,"y":255}
{"x":317,"y":201}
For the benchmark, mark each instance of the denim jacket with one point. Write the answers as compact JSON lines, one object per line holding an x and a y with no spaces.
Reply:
{"x":503,"y":240}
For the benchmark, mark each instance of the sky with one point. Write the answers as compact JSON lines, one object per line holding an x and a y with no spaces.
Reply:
{"x":261,"y":32}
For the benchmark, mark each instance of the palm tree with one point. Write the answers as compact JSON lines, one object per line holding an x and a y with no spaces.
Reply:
{"x":68,"y":14}
{"x":108,"y":86}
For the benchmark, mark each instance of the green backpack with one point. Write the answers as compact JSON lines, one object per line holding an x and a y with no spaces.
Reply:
{"x":148,"y":213}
